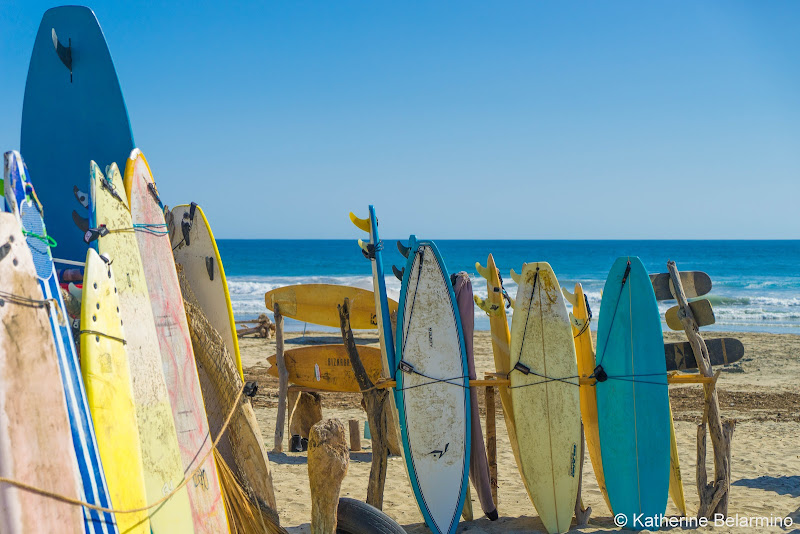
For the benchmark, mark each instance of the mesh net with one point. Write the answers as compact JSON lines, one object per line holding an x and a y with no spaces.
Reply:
{"x":241,"y":459}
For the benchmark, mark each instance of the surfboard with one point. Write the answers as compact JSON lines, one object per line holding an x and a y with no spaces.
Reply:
{"x":317,"y":304}
{"x":327,"y":367}
{"x":544,"y":391}
{"x":633,"y":403}
{"x":432,"y":392}
{"x":695,"y":284}
{"x":109,"y":392}
{"x":73,"y":112}
{"x":675,"y":478}
{"x":33,"y":435}
{"x":701,"y":310}
{"x":722,"y":351}
{"x":22,"y":199}
{"x":494,"y":306}
{"x":177,"y":355}
{"x":195,"y":250}
{"x":161,"y":457}
{"x":373,"y":251}
{"x":242,"y":448}
{"x":581,"y":318}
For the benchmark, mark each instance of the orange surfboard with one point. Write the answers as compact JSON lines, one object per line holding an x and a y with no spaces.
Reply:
{"x":327,"y":367}
{"x":318,"y":304}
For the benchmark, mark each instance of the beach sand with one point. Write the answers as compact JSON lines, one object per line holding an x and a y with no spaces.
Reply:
{"x":761,"y":392}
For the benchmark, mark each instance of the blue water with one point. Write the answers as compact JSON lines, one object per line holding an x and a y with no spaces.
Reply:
{"x":756,"y":284}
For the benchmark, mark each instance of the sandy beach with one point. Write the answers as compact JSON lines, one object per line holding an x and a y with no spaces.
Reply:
{"x":761,"y":392}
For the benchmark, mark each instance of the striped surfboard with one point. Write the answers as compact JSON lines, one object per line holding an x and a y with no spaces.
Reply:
{"x":20,"y":199}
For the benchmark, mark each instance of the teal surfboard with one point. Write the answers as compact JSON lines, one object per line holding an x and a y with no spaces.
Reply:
{"x":73,"y":112}
{"x":633,"y":402}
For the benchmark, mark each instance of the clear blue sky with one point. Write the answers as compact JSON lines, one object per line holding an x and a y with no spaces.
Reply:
{"x":457,"y":120}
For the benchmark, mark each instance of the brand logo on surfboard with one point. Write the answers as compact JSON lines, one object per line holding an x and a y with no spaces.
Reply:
{"x":439,"y":453}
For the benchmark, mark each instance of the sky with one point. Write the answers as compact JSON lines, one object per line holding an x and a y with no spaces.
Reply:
{"x":493,"y":120}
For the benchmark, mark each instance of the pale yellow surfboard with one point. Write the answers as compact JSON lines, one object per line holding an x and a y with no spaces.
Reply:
{"x":161,"y":458}
{"x":198,"y":255}
{"x":109,"y":393}
{"x":317,"y":304}
{"x":546,"y":411}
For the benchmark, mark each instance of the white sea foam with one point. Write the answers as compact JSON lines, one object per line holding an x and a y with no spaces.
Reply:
{"x":732,"y":309}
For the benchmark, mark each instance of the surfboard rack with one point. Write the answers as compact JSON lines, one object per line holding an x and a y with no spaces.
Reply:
{"x":64,"y":52}
{"x":714,"y":497}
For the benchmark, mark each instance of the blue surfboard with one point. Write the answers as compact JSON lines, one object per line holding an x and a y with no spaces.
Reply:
{"x":432,"y":391}
{"x":385,"y":322}
{"x":633,"y":402}
{"x":73,"y":112}
{"x":21,"y":199}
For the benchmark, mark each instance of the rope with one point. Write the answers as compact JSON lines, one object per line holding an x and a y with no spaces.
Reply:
{"x":148,"y":228}
{"x":70,"y":500}
{"x":47,"y":239}
{"x":96,"y":333}
{"x":25,"y":301}
{"x":436,"y":381}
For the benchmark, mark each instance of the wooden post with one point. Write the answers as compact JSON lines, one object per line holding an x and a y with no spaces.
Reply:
{"x":327,"y":465}
{"x":491,"y":441}
{"x":375,"y":400}
{"x":581,"y":514}
{"x":355,"y":436}
{"x":283,"y":380}
{"x":714,"y":496}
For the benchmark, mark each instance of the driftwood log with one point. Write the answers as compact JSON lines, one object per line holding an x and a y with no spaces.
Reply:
{"x":713,"y":497}
{"x":283,"y":381}
{"x":305,"y":410}
{"x":375,"y":400}
{"x":263,"y":327}
{"x":328,"y":459}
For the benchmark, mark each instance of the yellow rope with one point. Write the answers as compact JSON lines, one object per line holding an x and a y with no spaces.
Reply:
{"x":70,"y":500}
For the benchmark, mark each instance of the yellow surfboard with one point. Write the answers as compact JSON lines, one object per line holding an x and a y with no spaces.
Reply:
{"x":317,"y":304}
{"x":109,"y":392}
{"x":327,"y":367}
{"x":494,"y":306}
{"x":161,"y":457}
{"x":584,"y":349}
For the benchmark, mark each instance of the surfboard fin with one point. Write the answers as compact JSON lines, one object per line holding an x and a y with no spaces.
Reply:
{"x":361,"y":224}
{"x":569,"y":296}
{"x":492,"y":310}
{"x":515,"y":277}
{"x":398,"y":272}
{"x":483,"y":271}
{"x":210,"y":267}
{"x":403,"y":249}
{"x":577,"y":323}
{"x":80,"y":196}
{"x":364,"y":246}
{"x":64,"y":52}
{"x":80,"y":222}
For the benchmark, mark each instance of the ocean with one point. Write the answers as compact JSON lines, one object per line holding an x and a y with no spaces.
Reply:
{"x":756,"y":284}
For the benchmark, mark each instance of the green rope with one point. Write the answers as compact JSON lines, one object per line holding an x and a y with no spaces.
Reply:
{"x":48,"y":240}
